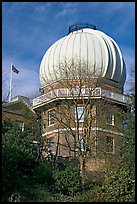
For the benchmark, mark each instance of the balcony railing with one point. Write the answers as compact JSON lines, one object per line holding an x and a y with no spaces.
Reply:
{"x":84,"y":92}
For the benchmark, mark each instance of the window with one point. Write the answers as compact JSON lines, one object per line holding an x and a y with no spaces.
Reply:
{"x":125,"y":123}
{"x":50,"y":146}
{"x":110,"y":119}
{"x":51,"y":117}
{"x":20,"y":125}
{"x":110,"y":145}
{"x":81,"y":142}
{"x":80,"y":111}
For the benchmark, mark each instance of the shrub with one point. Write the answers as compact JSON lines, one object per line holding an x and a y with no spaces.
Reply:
{"x":119,"y":186}
{"x":92,"y":195}
{"x":67,"y":181}
{"x":43,"y":174}
{"x":34,"y":193}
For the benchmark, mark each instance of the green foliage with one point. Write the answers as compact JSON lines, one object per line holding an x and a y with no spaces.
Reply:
{"x":6,"y":126}
{"x":119,"y":183}
{"x":84,"y":197}
{"x":119,"y":186}
{"x":43,"y":174}
{"x":35,"y":193}
{"x":89,"y":196}
{"x":28,"y":179}
{"x":18,"y":159}
{"x":129,"y":137}
{"x":67,"y":181}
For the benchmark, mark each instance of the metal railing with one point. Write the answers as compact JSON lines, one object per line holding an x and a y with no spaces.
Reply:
{"x":79,"y":26}
{"x":84,"y":92}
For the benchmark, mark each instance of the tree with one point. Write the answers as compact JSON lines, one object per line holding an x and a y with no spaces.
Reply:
{"x":19,"y":158}
{"x":129,"y":128}
{"x":119,"y":186}
{"x":76,"y":110}
{"x":119,"y":183}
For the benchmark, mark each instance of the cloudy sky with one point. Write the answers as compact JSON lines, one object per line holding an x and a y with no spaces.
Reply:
{"x":30,"y":28}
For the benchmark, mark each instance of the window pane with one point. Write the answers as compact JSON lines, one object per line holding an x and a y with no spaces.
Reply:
{"x":80,"y":111}
{"x":51,"y":117}
{"x":50,"y":146}
{"x":19,"y":124}
{"x":81,"y":142}
{"x":125,"y":123}
{"x":110,"y":118}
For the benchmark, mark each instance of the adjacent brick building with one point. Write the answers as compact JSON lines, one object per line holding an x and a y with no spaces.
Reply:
{"x":19,"y":111}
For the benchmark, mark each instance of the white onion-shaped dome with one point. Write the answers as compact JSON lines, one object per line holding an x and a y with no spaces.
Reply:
{"x":100,"y":52}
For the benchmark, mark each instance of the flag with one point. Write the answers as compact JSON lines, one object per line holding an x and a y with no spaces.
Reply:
{"x":15,"y":70}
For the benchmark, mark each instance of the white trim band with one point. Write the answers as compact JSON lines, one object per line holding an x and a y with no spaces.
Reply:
{"x":95,"y":128}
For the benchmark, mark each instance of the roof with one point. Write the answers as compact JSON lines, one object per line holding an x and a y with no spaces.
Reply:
{"x":99,"y":53}
{"x":18,"y":107}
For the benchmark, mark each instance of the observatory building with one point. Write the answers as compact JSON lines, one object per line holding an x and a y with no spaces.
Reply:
{"x":82,"y":77}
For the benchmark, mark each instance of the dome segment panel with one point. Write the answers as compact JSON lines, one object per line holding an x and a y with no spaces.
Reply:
{"x":112,"y":56}
{"x":84,"y":47}
{"x":55,"y":58}
{"x":116,"y":66}
{"x":72,"y":47}
{"x":120,"y":72}
{"x":117,"y":71}
{"x":44,"y":72}
{"x":123,"y":75}
{"x":101,"y":54}
{"x":109,"y":67}
{"x":91,"y":55}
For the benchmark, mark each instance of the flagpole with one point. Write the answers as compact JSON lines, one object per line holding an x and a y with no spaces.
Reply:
{"x":10,"y":94}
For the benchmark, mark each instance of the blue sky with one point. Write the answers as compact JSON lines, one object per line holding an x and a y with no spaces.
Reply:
{"x":30,"y":28}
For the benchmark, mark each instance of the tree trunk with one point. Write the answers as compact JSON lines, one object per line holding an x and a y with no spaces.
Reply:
{"x":56,"y":155}
{"x":82,"y":169}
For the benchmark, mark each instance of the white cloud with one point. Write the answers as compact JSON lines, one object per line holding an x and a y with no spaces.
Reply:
{"x":67,"y":8}
{"x":62,"y":13}
{"x":40,"y":8}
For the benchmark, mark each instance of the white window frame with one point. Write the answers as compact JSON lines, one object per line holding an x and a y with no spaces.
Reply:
{"x":80,"y":113}
{"x":112,"y":119}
